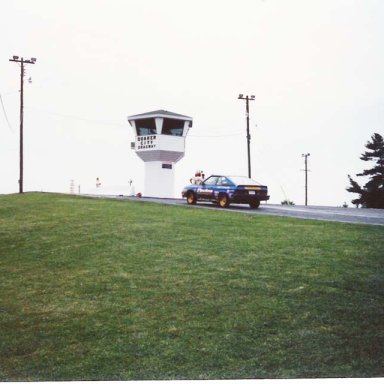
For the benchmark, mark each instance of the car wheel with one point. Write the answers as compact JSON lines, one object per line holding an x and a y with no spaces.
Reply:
{"x":223,"y":201}
{"x":191,"y":198}
{"x":254,"y":204}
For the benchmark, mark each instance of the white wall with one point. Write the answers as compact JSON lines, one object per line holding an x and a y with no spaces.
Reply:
{"x":159,"y":181}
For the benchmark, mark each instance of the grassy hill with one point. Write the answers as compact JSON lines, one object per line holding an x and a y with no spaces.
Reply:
{"x":97,"y":289}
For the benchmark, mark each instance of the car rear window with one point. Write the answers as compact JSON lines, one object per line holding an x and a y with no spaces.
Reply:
{"x":242,"y":180}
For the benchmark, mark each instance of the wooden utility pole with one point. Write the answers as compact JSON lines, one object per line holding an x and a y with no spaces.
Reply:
{"x":306,"y":176}
{"x":247,"y":98}
{"x":22,"y":73}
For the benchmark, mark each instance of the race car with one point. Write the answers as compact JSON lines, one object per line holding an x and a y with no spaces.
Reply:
{"x":224,"y":190}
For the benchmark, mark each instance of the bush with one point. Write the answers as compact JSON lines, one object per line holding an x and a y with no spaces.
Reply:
{"x":287,"y":202}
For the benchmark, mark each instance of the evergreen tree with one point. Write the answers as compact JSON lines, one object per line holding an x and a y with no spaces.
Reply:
{"x":372,"y":193}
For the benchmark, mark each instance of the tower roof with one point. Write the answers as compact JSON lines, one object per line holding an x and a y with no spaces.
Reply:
{"x":160,"y":113}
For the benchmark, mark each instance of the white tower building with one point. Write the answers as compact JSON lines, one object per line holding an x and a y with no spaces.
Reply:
{"x":160,"y":143}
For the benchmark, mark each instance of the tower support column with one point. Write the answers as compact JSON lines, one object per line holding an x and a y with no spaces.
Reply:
{"x":159,"y":179}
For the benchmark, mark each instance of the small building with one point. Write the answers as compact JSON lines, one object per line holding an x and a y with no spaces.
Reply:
{"x":160,"y":143}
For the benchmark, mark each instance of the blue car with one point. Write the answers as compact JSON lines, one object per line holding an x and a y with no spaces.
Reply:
{"x":224,"y":190}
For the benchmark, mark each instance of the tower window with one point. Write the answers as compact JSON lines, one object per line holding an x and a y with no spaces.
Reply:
{"x":173,"y":127}
{"x":145,"y":127}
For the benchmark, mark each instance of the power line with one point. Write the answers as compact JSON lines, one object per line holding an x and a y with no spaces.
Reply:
{"x":66,"y":116}
{"x":5,"y":115}
{"x":219,"y":135}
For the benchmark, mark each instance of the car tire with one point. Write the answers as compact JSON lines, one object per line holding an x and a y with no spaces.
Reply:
{"x":254,"y":204}
{"x":223,"y":201}
{"x":191,"y":198}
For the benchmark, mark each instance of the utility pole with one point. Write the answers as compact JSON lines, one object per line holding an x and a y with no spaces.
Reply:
{"x":247,"y":98}
{"x":22,"y":73}
{"x":306,"y":176}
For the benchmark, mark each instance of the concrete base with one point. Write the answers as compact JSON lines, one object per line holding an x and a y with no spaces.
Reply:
{"x":115,"y":190}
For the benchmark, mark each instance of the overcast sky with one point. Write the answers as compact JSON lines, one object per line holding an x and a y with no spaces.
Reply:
{"x":315,"y":67}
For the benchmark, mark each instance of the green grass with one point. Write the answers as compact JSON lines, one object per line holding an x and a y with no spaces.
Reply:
{"x":96,"y":289}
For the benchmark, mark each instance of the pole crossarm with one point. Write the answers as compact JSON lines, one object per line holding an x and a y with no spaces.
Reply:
{"x":23,"y":61}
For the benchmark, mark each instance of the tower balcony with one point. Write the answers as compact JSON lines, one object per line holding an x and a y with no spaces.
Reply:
{"x":160,"y":147}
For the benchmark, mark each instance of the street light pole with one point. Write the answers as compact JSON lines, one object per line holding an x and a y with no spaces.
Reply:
{"x":21,"y":163}
{"x":306,"y":176}
{"x":247,"y":98}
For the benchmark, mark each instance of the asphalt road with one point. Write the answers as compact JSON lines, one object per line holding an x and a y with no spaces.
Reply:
{"x":344,"y":215}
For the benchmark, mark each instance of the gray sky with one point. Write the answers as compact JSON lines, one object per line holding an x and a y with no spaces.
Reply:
{"x":315,"y":67}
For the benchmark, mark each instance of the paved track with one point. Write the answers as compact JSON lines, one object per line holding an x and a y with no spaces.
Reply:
{"x":344,"y":215}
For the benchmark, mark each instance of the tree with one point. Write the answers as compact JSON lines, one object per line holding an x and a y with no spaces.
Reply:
{"x":372,"y":193}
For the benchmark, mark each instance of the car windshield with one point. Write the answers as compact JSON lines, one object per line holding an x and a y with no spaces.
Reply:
{"x":242,"y":180}
{"x":212,"y":180}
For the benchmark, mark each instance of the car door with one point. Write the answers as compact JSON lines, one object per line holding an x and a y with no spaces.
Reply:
{"x":207,"y":188}
{"x":223,"y":185}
